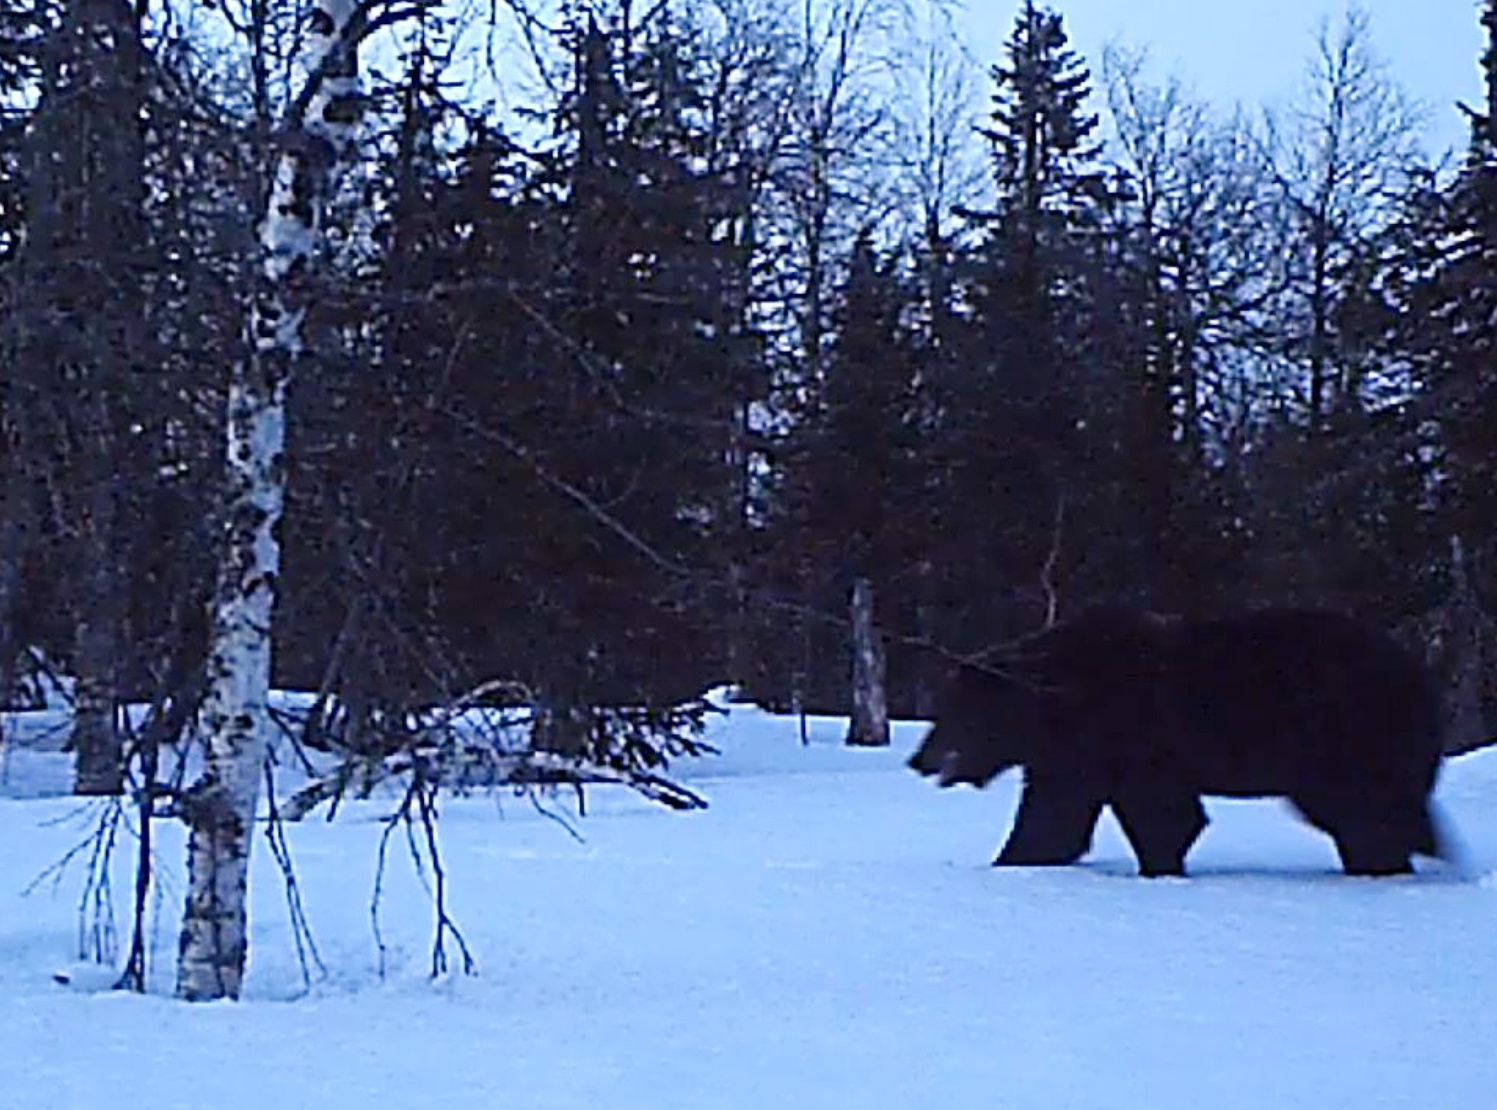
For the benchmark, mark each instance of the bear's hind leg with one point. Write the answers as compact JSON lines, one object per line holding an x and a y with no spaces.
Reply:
{"x":1372,"y":837}
{"x":1161,"y":824}
{"x":1371,"y":850}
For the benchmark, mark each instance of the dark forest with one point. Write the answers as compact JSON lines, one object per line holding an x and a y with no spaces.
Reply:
{"x":631,"y":391}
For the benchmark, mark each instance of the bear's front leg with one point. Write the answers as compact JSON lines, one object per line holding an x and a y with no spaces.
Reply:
{"x":1054,"y":825}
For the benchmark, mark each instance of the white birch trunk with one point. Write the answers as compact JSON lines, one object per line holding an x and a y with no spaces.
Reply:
{"x":870,"y":714}
{"x":220,"y":808}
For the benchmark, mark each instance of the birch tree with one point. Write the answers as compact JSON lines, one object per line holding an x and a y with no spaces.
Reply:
{"x":317,"y":137}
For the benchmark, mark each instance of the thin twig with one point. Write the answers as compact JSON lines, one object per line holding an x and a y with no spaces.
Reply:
{"x":686,"y":573}
{"x":426,"y":802}
{"x":390,"y":825}
{"x":280,"y":850}
{"x":1047,"y":572}
{"x":556,"y":815}
{"x":97,"y":934}
{"x":56,"y":870}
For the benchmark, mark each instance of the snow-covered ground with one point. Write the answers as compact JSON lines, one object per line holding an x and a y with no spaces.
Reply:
{"x":828,"y":934}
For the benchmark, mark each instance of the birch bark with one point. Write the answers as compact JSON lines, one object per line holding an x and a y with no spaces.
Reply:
{"x":220,"y":808}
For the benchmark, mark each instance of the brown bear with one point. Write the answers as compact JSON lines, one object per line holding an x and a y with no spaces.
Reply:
{"x":1146,"y":714}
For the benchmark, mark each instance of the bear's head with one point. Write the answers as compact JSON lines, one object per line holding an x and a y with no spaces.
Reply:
{"x":987,"y":720}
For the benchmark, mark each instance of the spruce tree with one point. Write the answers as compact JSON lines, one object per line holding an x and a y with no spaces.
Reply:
{"x":21,"y":26}
{"x":854,"y":489}
{"x":79,"y":331}
{"x":1044,"y":153}
{"x":1449,"y":326}
{"x":1467,"y":309}
{"x":648,"y":360}
{"x":551,"y":364}
{"x":1026,"y":410}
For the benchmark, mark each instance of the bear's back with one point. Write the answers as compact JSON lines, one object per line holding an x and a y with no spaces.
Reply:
{"x":1269,"y":699}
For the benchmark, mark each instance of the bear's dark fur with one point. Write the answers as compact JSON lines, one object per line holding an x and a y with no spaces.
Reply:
{"x":1147,"y":714}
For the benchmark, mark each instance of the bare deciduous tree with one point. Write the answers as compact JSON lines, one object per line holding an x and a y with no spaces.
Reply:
{"x":1340,"y":154}
{"x":1205,"y":231}
{"x":838,"y":151}
{"x":942,"y":164}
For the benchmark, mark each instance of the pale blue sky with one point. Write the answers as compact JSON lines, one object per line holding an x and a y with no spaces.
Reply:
{"x":1254,"y":51}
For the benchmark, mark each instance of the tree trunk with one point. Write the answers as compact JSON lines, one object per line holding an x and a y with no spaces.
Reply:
{"x":869,"y":726}
{"x":741,"y":671}
{"x":928,"y":667}
{"x":83,"y":324}
{"x":98,"y":748}
{"x":15,"y":532}
{"x":1468,"y":639}
{"x":561,"y":726}
{"x":220,"y":808}
{"x":98,"y":751}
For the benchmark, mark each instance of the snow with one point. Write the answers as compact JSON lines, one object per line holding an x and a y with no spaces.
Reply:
{"x":827,"y":934}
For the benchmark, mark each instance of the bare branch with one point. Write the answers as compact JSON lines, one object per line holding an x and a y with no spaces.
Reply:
{"x":301,"y":930}
{"x":426,"y":804}
{"x":368,"y":18}
{"x":1047,"y":572}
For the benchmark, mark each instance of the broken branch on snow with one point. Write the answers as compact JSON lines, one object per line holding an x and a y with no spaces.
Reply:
{"x":466,"y":767}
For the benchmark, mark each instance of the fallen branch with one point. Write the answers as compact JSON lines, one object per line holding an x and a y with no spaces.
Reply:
{"x":472,"y":766}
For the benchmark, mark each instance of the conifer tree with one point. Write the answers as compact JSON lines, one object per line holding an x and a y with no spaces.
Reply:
{"x":1024,"y":408}
{"x":21,"y":26}
{"x":80,"y":332}
{"x":1044,"y":150}
{"x":1447,"y":325}
{"x":854,"y":485}
{"x":649,"y":352}
{"x":1467,"y":311}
